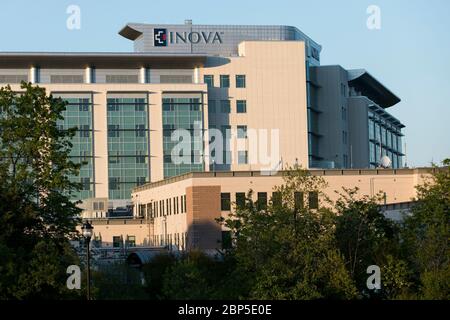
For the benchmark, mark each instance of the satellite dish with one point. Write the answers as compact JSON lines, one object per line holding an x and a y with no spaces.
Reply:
{"x":386,"y":162}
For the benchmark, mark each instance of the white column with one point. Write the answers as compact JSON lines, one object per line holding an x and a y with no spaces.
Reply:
{"x":33,"y":74}
{"x":88,"y":75}
{"x":142,"y":75}
{"x":196,"y":75}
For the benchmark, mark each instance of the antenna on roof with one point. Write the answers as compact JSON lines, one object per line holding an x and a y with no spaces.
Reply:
{"x":406,"y":157}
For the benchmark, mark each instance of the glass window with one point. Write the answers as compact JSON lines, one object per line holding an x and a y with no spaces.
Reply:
{"x":377,"y":132}
{"x":85,"y":183}
{"x":371,"y":129}
{"x":377,"y":153}
{"x":242,"y":157}
{"x":78,"y":114}
{"x":313,"y":200}
{"x":240,"y":199}
{"x":224,"y":81}
{"x":140,"y":181}
{"x":117,"y":241}
{"x":140,"y":130}
{"x":383,"y":135}
{"x":344,"y":137}
{"x":114,"y":183}
{"x":241,"y":106}
{"x":209,"y":80}
{"x":184,"y":113}
{"x":225,"y":106}
{"x":242,"y":132}
{"x":225,"y":201}
{"x":277,"y":198}
{"x":389,"y":138}
{"x":298,"y":200}
{"x":372,"y":152}
{"x":240,"y":81}
{"x":127,"y":144}
{"x":262,"y":201}
{"x":131,"y":241}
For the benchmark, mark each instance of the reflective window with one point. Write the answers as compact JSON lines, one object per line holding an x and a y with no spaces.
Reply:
{"x":225,"y":204}
{"x":371,"y":129}
{"x":240,"y":199}
{"x":261,"y":204}
{"x":209,"y":80}
{"x":127,"y":119}
{"x":240,"y":81}
{"x":371,"y":152}
{"x":241,"y":106}
{"x":313,"y":200}
{"x":242,"y":132}
{"x":78,"y":114}
{"x":242,"y":157}
{"x":377,"y":132}
{"x":224,"y":81}
{"x":182,"y":113}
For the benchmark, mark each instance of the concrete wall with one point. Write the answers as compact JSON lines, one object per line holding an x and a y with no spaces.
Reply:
{"x":203,"y":190}
{"x":330,"y":102}
{"x":275,"y":93}
{"x":359,"y":133}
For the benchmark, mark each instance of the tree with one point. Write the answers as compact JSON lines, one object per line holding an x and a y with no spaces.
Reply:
{"x":287,"y":249}
{"x":154,"y":272}
{"x":196,"y":275}
{"x":366,"y":237}
{"x":117,"y":281}
{"x":426,"y":234}
{"x":37,"y":217}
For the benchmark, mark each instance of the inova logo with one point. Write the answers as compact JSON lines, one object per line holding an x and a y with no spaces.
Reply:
{"x":161,"y":37}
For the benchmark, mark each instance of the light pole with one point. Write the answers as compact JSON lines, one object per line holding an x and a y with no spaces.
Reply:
{"x":87,"y":234}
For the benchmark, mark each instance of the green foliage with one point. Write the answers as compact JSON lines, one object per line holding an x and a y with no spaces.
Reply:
{"x":36,"y":215}
{"x":288,"y":251}
{"x":426,"y":234}
{"x":185,"y":281}
{"x":198,"y":276}
{"x":364,"y":235}
{"x":395,"y":275}
{"x":154,"y":273}
{"x":117,"y":281}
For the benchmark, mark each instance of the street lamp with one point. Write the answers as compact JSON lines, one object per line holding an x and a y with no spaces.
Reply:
{"x":86,"y":230}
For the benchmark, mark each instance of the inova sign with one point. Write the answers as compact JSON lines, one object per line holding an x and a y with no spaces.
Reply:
{"x":161,"y":36}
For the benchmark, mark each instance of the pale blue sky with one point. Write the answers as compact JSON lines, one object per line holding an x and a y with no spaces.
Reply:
{"x":410,"y":54}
